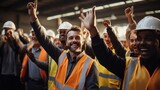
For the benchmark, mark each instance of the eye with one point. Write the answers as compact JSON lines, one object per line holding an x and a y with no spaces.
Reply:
{"x":77,"y":38}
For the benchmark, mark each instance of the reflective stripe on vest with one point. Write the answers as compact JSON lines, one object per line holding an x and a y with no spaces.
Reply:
{"x":109,"y":76}
{"x":61,"y":58}
{"x":52,"y":69}
{"x":83,"y":74}
{"x":51,"y":76}
{"x":82,"y":77}
{"x":42,"y":57}
{"x":130,"y":71}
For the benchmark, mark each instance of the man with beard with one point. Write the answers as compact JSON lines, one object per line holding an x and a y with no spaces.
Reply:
{"x":141,"y":73}
{"x":76,"y":70}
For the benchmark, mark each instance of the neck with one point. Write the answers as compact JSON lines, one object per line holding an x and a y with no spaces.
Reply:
{"x":74,"y":54}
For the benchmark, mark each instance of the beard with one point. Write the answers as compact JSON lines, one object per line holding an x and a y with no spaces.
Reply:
{"x":74,"y":47}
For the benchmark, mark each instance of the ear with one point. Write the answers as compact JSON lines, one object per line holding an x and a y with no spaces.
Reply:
{"x":157,"y":43}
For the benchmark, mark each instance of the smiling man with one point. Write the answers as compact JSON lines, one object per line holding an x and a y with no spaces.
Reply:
{"x":76,"y":70}
{"x":137,"y":74}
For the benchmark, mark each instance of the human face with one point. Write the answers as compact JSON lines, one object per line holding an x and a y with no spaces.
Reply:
{"x":107,"y":39}
{"x":132,"y":43}
{"x":147,"y":44}
{"x":57,"y":42}
{"x":8,"y":31}
{"x":62,"y":35}
{"x":75,"y":41}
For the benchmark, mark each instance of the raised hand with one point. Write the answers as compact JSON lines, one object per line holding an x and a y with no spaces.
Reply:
{"x":107,"y":23}
{"x":89,"y":20}
{"x":32,"y":8}
{"x":129,"y":11}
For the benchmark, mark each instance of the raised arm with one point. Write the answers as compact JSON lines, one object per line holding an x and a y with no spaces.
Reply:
{"x":50,"y":48}
{"x":129,"y":15}
{"x":105,"y":56}
{"x":119,"y":49}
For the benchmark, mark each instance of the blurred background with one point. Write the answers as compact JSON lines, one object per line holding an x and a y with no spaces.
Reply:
{"x":52,"y":12}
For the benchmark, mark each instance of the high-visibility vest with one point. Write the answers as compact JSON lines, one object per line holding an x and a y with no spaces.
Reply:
{"x":52,"y":69}
{"x":107,"y":80}
{"x":77,"y":79}
{"x":42,"y":56}
{"x":137,"y":76}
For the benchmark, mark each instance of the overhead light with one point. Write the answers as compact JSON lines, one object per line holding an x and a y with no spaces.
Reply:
{"x":68,"y":14}
{"x":53,"y":17}
{"x":129,"y":1}
{"x":100,"y":20}
{"x":77,"y":12}
{"x":106,"y":6}
{"x":157,"y":11}
{"x":113,"y":17}
{"x":76,"y":8}
{"x":99,"y":8}
{"x":86,"y":10}
{"x":137,"y":0}
{"x":149,"y":12}
{"x":116,"y":4}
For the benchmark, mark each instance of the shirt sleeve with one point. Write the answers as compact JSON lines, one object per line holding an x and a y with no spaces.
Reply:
{"x":107,"y":58}
{"x":50,"y":48}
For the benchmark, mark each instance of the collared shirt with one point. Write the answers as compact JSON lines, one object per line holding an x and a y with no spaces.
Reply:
{"x":34,"y":72}
{"x":92,"y":78}
{"x":72,"y":63}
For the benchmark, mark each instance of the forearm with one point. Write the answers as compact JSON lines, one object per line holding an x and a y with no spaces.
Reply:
{"x":131,"y":22}
{"x":51,"y":49}
{"x":105,"y":56}
{"x":42,"y":65}
{"x":119,"y":49}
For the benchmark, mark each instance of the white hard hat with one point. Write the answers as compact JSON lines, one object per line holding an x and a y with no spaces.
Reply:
{"x":57,"y":36}
{"x":105,"y":30}
{"x":9,"y":24}
{"x":148,"y":23}
{"x":3,"y":32}
{"x":122,"y":38}
{"x":65,"y":25}
{"x":50,"y":32}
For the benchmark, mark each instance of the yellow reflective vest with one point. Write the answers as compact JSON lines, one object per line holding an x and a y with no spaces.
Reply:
{"x":52,"y":69}
{"x":107,"y":80}
{"x":137,"y":76}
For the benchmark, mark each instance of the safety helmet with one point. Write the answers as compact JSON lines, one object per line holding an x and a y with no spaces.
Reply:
{"x":9,"y":24}
{"x":65,"y":25}
{"x":122,"y":38}
{"x":149,"y":23}
{"x":50,"y":32}
{"x":105,"y":30}
{"x":3,"y":32}
{"x":57,"y":36}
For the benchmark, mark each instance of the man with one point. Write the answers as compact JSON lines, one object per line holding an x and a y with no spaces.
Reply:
{"x":62,"y":29}
{"x":141,"y":74}
{"x":76,"y":70}
{"x":10,"y":64}
{"x":34,"y":68}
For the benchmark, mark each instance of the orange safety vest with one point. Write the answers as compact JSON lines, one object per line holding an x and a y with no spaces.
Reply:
{"x":137,"y":77}
{"x":77,"y":79}
{"x":42,"y":56}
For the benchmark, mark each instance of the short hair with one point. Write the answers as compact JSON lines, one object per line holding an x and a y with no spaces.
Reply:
{"x":75,"y":28}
